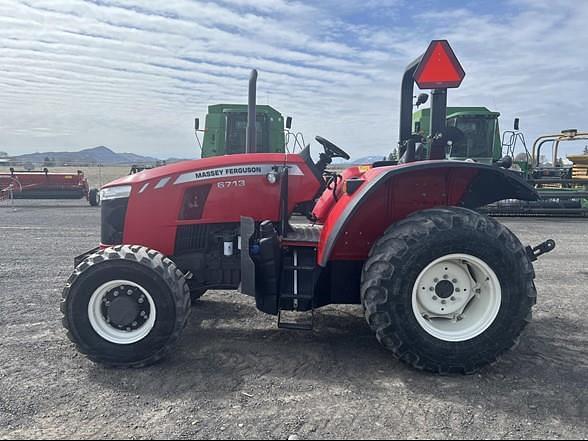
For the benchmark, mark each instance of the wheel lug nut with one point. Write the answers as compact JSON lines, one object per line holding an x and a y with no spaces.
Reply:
{"x":446,"y":277}
{"x":453,"y":299}
{"x":443,"y":302}
{"x":454,"y":280}
{"x":130,"y":292}
{"x":115,"y":294}
{"x":457,"y":290}
{"x":435,"y":298}
{"x":141,"y":300}
{"x":435,"y":280}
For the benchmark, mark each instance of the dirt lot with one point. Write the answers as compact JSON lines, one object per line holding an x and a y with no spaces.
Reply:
{"x":235,"y":375}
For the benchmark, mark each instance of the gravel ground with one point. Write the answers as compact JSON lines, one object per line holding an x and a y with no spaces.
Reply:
{"x":235,"y":375}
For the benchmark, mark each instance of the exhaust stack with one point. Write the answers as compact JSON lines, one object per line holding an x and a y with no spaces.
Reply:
{"x":251,"y":142}
{"x":406,"y":105}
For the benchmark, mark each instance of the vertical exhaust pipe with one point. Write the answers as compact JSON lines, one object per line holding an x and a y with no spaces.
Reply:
{"x":406,"y":96}
{"x":251,"y":142}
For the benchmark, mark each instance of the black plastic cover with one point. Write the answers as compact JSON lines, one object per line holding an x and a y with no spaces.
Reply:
{"x":113,"y":214}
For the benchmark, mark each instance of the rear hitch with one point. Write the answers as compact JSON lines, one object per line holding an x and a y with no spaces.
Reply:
{"x":541,"y":249}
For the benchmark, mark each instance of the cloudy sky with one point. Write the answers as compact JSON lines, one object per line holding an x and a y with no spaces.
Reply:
{"x":133,"y":74}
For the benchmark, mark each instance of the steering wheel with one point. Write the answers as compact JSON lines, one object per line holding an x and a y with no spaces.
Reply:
{"x":331,"y":149}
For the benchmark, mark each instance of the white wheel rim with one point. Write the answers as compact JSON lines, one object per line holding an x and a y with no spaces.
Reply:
{"x":105,"y":329}
{"x":456,"y":298}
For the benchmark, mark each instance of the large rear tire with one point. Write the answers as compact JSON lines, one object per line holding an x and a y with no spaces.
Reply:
{"x":125,"y":306}
{"x":448,"y":290}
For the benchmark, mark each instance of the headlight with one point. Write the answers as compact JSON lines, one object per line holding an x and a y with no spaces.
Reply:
{"x":272,"y":177}
{"x":122,"y":191}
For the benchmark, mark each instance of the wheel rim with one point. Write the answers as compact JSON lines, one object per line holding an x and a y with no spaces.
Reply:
{"x":122,"y":312}
{"x":456,"y":298}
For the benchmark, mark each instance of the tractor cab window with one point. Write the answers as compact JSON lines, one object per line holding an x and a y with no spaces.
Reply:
{"x":478,"y":137}
{"x":236,"y":134}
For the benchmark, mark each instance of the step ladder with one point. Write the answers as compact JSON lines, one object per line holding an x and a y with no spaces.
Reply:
{"x":297,"y":292}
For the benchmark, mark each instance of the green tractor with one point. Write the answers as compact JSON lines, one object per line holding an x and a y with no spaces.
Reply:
{"x":474,"y":134}
{"x":226,"y":130}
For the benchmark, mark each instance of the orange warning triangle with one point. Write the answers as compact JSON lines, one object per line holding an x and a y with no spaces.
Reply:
{"x":439,"y":67}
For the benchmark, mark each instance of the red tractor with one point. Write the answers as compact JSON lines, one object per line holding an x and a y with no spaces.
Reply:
{"x":444,"y":288}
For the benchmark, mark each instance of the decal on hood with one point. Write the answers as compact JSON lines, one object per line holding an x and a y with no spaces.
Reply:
{"x":235,"y":171}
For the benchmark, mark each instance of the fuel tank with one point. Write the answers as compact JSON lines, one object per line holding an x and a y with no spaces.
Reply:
{"x":335,"y":190}
{"x":207,"y":191}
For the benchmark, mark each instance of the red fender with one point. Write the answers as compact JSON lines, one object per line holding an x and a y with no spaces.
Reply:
{"x":390,"y":194}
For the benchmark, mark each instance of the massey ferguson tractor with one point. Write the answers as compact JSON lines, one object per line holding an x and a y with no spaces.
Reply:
{"x":444,"y":288}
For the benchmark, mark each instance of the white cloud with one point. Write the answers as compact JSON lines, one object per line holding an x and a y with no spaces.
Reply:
{"x":132,"y":74}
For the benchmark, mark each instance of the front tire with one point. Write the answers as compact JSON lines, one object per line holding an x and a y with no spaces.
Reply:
{"x":125,"y":306}
{"x":448,"y":290}
{"x":195,"y":294}
{"x":94,"y":197}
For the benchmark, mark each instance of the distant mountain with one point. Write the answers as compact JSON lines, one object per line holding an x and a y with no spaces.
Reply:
{"x":361,"y":161}
{"x":368,"y":159}
{"x":97,"y":155}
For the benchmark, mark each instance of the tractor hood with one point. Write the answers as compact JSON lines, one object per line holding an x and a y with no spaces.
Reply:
{"x":177,"y":169}
{"x":154,"y":207}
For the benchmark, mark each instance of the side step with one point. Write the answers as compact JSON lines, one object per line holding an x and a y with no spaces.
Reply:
{"x":296,"y":321}
{"x":296,"y":298}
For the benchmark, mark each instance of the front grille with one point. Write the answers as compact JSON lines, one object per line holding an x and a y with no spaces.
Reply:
{"x":113,"y":220}
{"x":192,"y":237}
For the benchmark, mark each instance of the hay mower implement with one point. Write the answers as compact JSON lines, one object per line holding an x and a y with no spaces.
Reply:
{"x":444,"y":288}
{"x":562,"y":188}
{"x":46,"y":185}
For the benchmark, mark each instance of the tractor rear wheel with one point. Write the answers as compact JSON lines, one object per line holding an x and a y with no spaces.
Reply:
{"x":448,"y":290}
{"x":125,"y":306}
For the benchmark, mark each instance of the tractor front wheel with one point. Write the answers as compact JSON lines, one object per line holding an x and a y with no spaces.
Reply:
{"x":195,"y":294}
{"x":448,"y":290}
{"x":94,"y":197}
{"x":125,"y":306}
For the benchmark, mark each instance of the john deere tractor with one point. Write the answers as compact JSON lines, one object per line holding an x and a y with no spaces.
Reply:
{"x":475,"y":136}
{"x":478,"y":134}
{"x":226,"y":126}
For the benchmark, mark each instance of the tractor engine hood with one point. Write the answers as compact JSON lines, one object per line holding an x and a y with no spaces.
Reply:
{"x":199,"y":164}
{"x":149,"y":207}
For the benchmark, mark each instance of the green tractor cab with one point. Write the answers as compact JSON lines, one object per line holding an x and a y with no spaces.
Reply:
{"x":475,"y":131}
{"x":226,"y":128}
